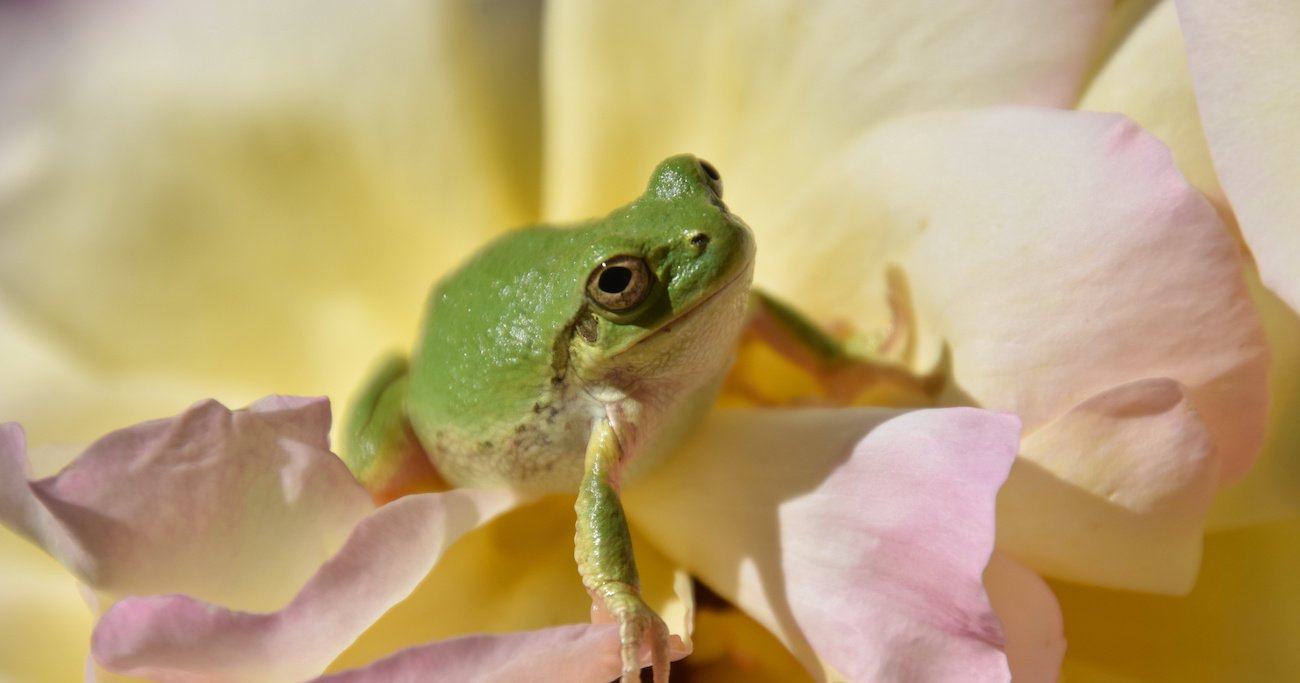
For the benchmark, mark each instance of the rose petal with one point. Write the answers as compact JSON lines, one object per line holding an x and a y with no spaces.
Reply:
{"x":1052,"y":254}
{"x":515,"y":573}
{"x":1031,"y":619}
{"x":1271,"y":490}
{"x":260,"y":195}
{"x":1238,"y":624}
{"x":581,"y":652}
{"x":1147,"y":79}
{"x":866,"y":557}
{"x":235,"y":507}
{"x":766,"y":92}
{"x":177,"y":638}
{"x":1244,"y":59}
{"x":1115,"y":492}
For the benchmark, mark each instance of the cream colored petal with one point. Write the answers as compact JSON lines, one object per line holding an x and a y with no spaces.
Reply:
{"x":1047,"y":255}
{"x":1115,"y":492}
{"x":1271,"y":490}
{"x":767,"y":90}
{"x":257,"y":195}
{"x":1146,"y":79}
{"x":1245,"y":63}
{"x":1238,"y":624}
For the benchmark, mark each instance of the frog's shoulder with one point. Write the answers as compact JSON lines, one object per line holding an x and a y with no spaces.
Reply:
{"x":493,"y":339}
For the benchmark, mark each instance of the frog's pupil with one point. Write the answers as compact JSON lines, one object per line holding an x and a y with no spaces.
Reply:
{"x":614,"y":279}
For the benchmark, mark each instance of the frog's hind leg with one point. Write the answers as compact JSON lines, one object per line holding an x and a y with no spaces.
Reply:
{"x":844,"y":372}
{"x":379,"y":446}
{"x":603,"y":550}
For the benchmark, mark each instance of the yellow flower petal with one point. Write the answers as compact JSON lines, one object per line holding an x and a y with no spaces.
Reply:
{"x":1238,"y":624}
{"x":45,"y":623}
{"x":1244,"y":59}
{"x":259,"y":196}
{"x":766,"y":91}
{"x":515,"y":573}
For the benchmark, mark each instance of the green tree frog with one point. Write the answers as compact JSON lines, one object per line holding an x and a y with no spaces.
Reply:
{"x":564,"y":358}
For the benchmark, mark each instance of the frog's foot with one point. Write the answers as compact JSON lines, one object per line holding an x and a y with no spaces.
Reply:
{"x":639,"y":629}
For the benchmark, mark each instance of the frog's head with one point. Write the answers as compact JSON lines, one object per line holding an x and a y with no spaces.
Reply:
{"x":668,"y":282}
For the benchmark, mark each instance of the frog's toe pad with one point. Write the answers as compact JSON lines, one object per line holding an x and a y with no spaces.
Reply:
{"x":643,"y":636}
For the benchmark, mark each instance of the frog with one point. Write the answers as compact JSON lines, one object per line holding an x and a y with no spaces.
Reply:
{"x":570,"y":359}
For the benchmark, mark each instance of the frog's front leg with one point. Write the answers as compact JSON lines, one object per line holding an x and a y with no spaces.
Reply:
{"x":603,"y":549}
{"x":379,"y":446}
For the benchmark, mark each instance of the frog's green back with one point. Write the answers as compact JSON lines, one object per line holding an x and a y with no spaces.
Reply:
{"x":494,"y":332}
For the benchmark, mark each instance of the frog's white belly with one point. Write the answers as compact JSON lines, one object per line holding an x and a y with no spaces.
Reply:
{"x":542,"y":452}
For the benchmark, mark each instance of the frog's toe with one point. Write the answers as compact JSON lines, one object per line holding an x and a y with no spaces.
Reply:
{"x":640,"y":630}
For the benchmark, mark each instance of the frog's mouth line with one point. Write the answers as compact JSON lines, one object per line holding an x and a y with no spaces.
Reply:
{"x":666,"y":327}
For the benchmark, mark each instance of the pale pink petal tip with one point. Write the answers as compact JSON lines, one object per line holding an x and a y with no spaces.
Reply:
{"x":580,"y":653}
{"x":178,"y":638}
{"x":236,"y":507}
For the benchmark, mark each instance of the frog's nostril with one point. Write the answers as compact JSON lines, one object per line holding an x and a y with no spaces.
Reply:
{"x":712,"y":176}
{"x":700,"y":241}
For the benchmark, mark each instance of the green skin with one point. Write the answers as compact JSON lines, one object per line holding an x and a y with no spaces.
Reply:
{"x":520,"y":371}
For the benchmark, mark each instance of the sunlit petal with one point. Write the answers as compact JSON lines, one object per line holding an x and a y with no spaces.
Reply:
{"x":1238,"y":624}
{"x":1146,"y":79}
{"x":768,"y":90}
{"x":178,"y":638}
{"x":863,"y":553}
{"x":1053,"y":255}
{"x":259,"y":196}
{"x":1245,"y":64}
{"x":515,"y":573}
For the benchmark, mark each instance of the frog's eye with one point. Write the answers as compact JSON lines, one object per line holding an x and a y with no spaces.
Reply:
{"x":712,"y":177}
{"x":620,"y":284}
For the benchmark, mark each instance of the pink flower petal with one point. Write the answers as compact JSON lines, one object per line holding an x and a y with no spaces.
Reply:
{"x":175,"y":638}
{"x":578,"y":653}
{"x":863,"y":553}
{"x":1245,"y":64}
{"x":1031,"y":619}
{"x":1053,"y":254}
{"x":767,"y":91}
{"x":235,"y":507}
{"x":1115,"y":492}
{"x":1271,"y":490}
